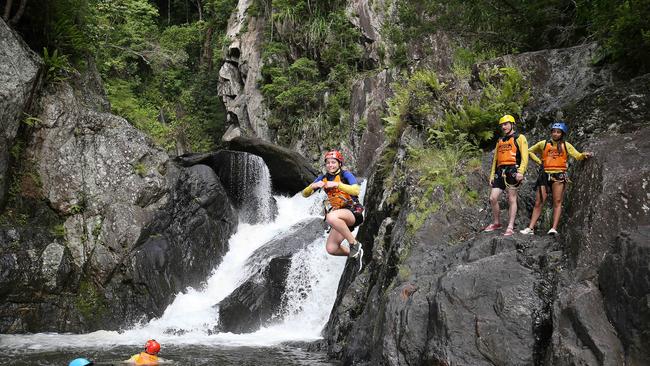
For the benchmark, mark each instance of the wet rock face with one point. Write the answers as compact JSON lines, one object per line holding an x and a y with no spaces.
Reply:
{"x":583,"y":334}
{"x":19,"y":79}
{"x":625,"y":283}
{"x":429,"y":301}
{"x":256,"y":302}
{"x":614,"y":109}
{"x":609,"y":197}
{"x":186,"y":240}
{"x":367,"y":107}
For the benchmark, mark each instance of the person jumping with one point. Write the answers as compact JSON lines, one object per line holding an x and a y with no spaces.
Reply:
{"x":346,"y":212}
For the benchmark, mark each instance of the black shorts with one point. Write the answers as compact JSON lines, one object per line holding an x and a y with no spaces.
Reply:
{"x":547,"y":179}
{"x":503,"y":174}
{"x":358,"y":218}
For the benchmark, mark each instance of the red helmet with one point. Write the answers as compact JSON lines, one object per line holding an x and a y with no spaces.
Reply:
{"x":152,"y":347}
{"x":334,"y":154}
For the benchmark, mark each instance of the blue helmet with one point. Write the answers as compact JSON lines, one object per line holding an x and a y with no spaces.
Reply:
{"x":560,"y":126}
{"x":80,"y":362}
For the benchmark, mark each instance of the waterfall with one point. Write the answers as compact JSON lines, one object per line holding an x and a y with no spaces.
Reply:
{"x":310,"y":293}
{"x":248,"y":181}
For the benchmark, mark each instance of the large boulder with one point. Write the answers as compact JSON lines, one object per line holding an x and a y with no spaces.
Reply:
{"x":582,"y":333}
{"x":124,"y":229}
{"x":19,"y":80}
{"x":290,"y":172}
{"x":182,"y":245}
{"x":246,"y":179}
{"x":257,"y":301}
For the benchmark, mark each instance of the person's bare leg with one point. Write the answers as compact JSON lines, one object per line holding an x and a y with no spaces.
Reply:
{"x":494,"y":202}
{"x":339,"y":220}
{"x":540,"y":199}
{"x":512,"y":208}
{"x":558,"y":197}
{"x":333,"y":245}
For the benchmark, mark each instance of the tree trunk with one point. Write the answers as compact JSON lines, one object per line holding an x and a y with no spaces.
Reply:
{"x":7,"y":10}
{"x":19,"y":13}
{"x":199,"y":6}
{"x":169,"y":12}
{"x":206,"y":55}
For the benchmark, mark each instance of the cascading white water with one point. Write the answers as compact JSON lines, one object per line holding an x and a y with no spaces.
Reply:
{"x":311,"y":290}
{"x":249,"y":183}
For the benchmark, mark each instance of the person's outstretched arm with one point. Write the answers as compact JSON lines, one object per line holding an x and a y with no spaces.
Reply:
{"x":575,"y":153}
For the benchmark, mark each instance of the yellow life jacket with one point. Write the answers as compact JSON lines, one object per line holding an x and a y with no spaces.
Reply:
{"x":338,"y":198}
{"x":508,"y":150}
{"x":554,"y":159}
{"x":144,"y":359}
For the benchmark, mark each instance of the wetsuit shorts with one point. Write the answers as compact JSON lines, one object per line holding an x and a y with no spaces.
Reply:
{"x":503,"y":174}
{"x":358,"y":216}
{"x":547,"y":179}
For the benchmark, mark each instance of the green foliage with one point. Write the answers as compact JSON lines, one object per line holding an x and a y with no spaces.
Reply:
{"x":623,"y":27}
{"x":57,"y":67}
{"x":123,"y":31}
{"x":465,"y":58}
{"x":140,"y":169}
{"x":219,"y":12}
{"x":32,"y":121}
{"x":90,"y":301}
{"x":504,"y":92}
{"x":293,"y":90}
{"x":442,"y":172}
{"x":58,"y":231}
{"x":412,"y":102}
{"x":144,"y":116}
{"x":315,"y":84}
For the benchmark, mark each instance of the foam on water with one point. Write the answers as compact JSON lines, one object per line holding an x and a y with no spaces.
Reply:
{"x":311,"y":290}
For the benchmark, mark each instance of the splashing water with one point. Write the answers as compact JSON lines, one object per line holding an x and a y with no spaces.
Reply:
{"x":311,"y":290}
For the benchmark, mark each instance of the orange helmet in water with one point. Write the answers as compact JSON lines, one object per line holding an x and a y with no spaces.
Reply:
{"x":334,"y":154}
{"x":152,"y":347}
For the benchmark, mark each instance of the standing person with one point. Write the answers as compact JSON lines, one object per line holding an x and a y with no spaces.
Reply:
{"x":555,"y":154}
{"x":149,"y":356}
{"x":508,"y":168}
{"x":346,"y":212}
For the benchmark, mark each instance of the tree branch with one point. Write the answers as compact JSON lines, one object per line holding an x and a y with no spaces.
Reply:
{"x":7,"y":11}
{"x":143,"y":57}
{"x":19,"y":13}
